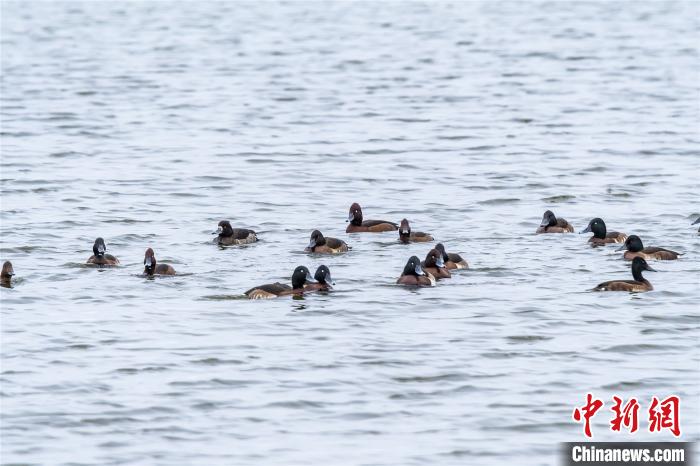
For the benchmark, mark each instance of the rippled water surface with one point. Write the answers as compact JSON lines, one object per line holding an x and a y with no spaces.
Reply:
{"x":147,"y":123}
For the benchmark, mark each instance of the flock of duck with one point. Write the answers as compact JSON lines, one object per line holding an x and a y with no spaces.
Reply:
{"x":436,"y":266}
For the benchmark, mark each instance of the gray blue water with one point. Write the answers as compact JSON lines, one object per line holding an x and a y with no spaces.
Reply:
{"x":146,"y":123}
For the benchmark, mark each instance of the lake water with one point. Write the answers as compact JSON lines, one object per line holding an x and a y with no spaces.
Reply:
{"x":147,"y":123}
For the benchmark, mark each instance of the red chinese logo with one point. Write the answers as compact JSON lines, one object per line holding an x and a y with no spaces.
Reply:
{"x":664,"y":414}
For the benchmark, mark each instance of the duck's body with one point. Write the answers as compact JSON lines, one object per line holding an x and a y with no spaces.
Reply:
{"x":6,"y":275}
{"x":300,"y":277}
{"x":357,"y":225}
{"x":452,"y":261}
{"x":407,"y":236}
{"x":99,"y":256}
{"x":228,"y":236}
{"x":413,"y":274}
{"x":435,"y":266}
{"x":320,"y":244}
{"x":151,"y":267}
{"x":639,"y":283}
{"x":552,"y":224}
{"x":635,"y":248}
{"x":323,"y":279}
{"x":601,"y":236}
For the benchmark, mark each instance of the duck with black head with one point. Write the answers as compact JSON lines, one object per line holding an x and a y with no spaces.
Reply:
{"x":151,"y":267}
{"x":229,"y":236}
{"x":358,"y":225}
{"x":551,"y":224}
{"x":452,"y":260}
{"x":320,"y":244}
{"x":324,"y":282}
{"x":414,"y":275}
{"x":635,"y":248}
{"x":6,"y":275}
{"x":99,"y":255}
{"x":435,"y":265}
{"x":638,"y":284}
{"x":407,"y":236}
{"x":300,"y":277}
{"x":601,"y":236}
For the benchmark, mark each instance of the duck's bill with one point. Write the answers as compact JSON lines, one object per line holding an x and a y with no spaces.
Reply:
{"x":697,"y":220}
{"x":649,"y":269}
{"x":404,"y":232}
{"x":419,"y":270}
{"x":544,"y":222}
{"x":218,"y":231}
{"x":621,"y":248}
{"x":312,"y":244}
{"x":351,"y":217}
{"x":440,"y":262}
{"x":148,"y":263}
{"x":101,"y":249}
{"x":586,"y":230}
{"x":309,"y":278}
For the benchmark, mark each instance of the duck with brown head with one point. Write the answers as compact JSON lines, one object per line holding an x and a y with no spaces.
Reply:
{"x":358,"y":225}
{"x":100,"y":256}
{"x":551,"y":224}
{"x":435,"y":265}
{"x":300,"y":277}
{"x":635,"y":248}
{"x":229,"y":236}
{"x":6,"y":275}
{"x":407,"y":236}
{"x":638,"y":284}
{"x":452,"y":260}
{"x":601,"y":235}
{"x":320,"y":244}
{"x":414,"y":275}
{"x":151,"y":267}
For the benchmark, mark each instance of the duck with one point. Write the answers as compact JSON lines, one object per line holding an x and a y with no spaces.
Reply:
{"x":320,"y":244}
{"x":99,"y":256}
{"x":452,"y":260}
{"x":152,"y":268}
{"x":414,"y":275}
{"x":552,"y":224}
{"x":323,"y":279}
{"x":638,"y":284}
{"x":697,"y":220}
{"x":357,"y":225}
{"x":407,"y":236}
{"x":600,"y":234}
{"x":435,"y":266}
{"x":635,"y":248}
{"x":228,"y":236}
{"x":300,"y":277}
{"x":6,"y":275}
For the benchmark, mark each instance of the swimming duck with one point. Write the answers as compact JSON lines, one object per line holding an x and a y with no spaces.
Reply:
{"x":435,"y":266}
{"x":300,"y":277}
{"x":407,"y":236}
{"x":323,"y":279}
{"x":6,"y":275}
{"x":320,"y":244}
{"x":99,"y":257}
{"x":414,"y":275}
{"x":638,"y":284}
{"x":152,"y":268}
{"x":373,"y":226}
{"x":635,"y":248}
{"x":600,"y":234}
{"x":552,"y":224}
{"x":229,"y":236}
{"x":452,"y":260}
